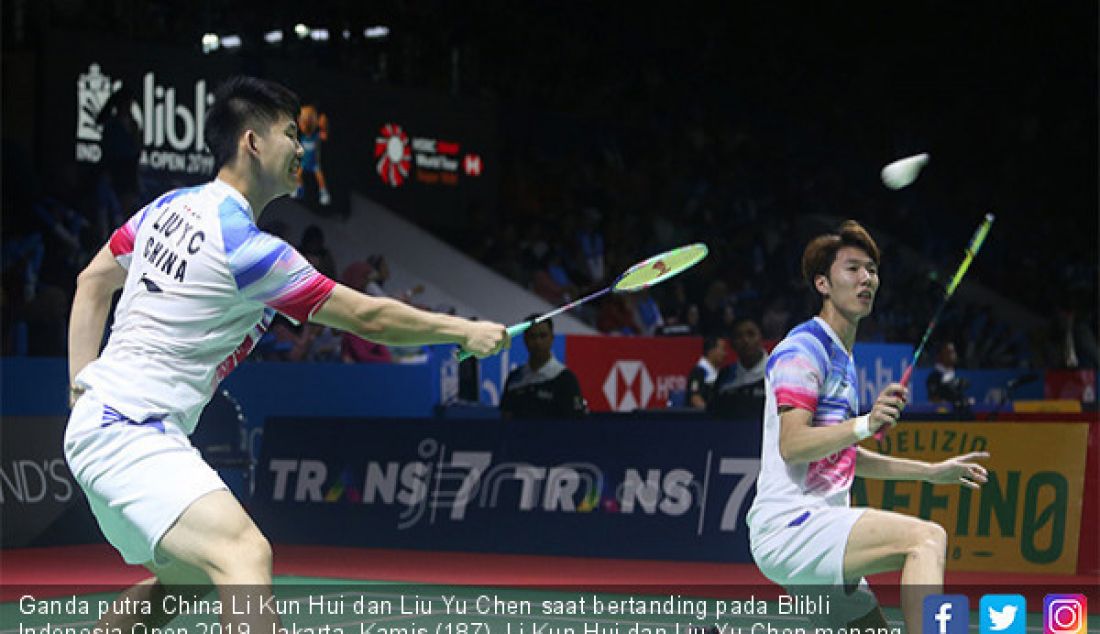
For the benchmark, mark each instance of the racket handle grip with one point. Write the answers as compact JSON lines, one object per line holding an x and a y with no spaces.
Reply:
{"x":905,"y":376}
{"x":513,"y":330}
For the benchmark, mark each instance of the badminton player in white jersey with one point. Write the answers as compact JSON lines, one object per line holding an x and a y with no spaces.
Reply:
{"x":200,"y":285}
{"x":804,"y":535}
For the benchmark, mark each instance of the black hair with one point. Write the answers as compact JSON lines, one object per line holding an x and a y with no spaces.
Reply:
{"x":548,"y":322}
{"x":242,"y":102}
{"x":710,"y":343}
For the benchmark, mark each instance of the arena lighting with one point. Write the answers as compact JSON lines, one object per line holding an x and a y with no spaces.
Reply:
{"x":210,"y":43}
{"x":319,"y":35}
{"x":301,"y":30}
{"x":273,"y":37}
{"x":376,"y":32}
{"x":231,"y":41}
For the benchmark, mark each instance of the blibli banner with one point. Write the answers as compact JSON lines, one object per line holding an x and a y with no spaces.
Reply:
{"x":169,"y":92}
{"x":1027,"y":518}
{"x":431,"y":157}
{"x":879,"y":365}
{"x":666,"y":489}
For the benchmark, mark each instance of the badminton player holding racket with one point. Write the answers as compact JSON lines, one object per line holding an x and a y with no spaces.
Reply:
{"x":200,"y":285}
{"x":803,"y":532}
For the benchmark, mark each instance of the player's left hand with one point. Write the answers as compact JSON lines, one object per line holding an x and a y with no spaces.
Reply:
{"x":961,"y":470}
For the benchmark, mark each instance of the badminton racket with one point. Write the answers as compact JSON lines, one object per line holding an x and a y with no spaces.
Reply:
{"x":971,"y":250}
{"x":643,"y":275}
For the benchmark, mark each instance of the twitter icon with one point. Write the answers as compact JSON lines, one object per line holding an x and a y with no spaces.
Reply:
{"x":1002,"y":614}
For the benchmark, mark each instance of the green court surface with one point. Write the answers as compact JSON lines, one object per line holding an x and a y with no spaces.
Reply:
{"x":310,"y":605}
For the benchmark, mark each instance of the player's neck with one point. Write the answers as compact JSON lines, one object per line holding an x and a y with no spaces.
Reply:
{"x":247,"y":185}
{"x":537,"y":363}
{"x":844,"y":326}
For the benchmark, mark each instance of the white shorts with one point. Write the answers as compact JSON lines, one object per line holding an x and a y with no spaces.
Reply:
{"x":139,"y":477}
{"x":806,"y":556}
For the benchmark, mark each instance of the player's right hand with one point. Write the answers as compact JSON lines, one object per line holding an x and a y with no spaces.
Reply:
{"x":887,"y":408}
{"x":485,"y":338}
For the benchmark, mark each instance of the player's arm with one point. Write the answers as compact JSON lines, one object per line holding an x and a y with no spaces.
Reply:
{"x":571,"y":402}
{"x":391,"y":322}
{"x":95,"y":286}
{"x":695,"y":387}
{"x":877,"y":466}
{"x":958,"y":470}
{"x":800,"y":441}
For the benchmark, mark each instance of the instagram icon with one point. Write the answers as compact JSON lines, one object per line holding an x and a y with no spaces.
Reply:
{"x":1065,"y":614}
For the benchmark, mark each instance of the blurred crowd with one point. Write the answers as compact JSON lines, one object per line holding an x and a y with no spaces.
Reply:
{"x":752,"y":139}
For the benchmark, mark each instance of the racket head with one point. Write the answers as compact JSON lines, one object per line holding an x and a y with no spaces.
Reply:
{"x":661,"y":267}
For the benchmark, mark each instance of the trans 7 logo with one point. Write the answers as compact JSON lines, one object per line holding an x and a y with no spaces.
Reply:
{"x":747,"y":468}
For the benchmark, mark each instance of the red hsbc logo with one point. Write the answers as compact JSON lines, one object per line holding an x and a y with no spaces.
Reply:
{"x":472,"y":165}
{"x":628,"y":386}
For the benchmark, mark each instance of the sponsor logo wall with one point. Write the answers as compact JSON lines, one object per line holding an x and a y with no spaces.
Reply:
{"x":1027,"y":518}
{"x":614,"y":488}
{"x":428,"y":156}
{"x":623,"y":374}
{"x":40,"y":502}
{"x":607,"y":488}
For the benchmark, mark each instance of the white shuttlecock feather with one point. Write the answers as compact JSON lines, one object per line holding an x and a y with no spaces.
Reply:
{"x":903,"y":172}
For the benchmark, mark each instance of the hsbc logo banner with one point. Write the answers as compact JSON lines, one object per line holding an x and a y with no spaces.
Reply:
{"x":623,"y":374}
{"x":400,"y":157}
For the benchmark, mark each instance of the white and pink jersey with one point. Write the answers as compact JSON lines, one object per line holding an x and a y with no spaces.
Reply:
{"x":202,"y":286}
{"x":811,"y":370}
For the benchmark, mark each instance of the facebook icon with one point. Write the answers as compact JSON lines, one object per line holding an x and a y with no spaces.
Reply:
{"x":946,"y":614}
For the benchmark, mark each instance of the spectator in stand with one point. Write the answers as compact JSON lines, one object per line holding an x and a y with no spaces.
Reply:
{"x":551,"y":281}
{"x":543,"y":387}
{"x":704,"y":376}
{"x":649,"y":313}
{"x":590,"y":240}
{"x":353,"y":349}
{"x":945,"y":386}
{"x":713,"y":308}
{"x":617,"y":315}
{"x":117,"y":186}
{"x":312,"y":247}
{"x":740,"y":393}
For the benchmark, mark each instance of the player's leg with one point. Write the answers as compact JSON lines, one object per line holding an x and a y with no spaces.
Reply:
{"x":874,"y":621}
{"x":174,"y":577}
{"x":323,"y":195}
{"x":883,"y":541}
{"x":216,"y":536}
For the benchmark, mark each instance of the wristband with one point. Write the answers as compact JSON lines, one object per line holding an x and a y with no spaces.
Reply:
{"x":863,"y":427}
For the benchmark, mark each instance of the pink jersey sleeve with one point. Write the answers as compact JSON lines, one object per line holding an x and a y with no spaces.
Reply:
{"x":270,"y":271}
{"x":121,"y":243}
{"x":796,"y":372}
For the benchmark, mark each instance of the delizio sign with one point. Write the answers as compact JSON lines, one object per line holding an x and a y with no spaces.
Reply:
{"x":171,"y":118}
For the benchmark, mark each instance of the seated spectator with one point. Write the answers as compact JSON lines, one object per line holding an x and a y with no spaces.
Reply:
{"x":704,"y":376}
{"x":617,"y":317}
{"x":543,"y":387}
{"x":551,"y":281}
{"x":649,"y":313}
{"x":944,"y":386}
{"x":312,"y":247}
{"x":360,"y":276}
{"x":740,"y":393}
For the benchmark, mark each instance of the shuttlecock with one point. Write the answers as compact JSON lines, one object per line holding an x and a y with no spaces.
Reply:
{"x":903,"y":172}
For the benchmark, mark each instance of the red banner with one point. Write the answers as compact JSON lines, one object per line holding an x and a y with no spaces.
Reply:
{"x":1079,"y":385}
{"x":623,"y":374}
